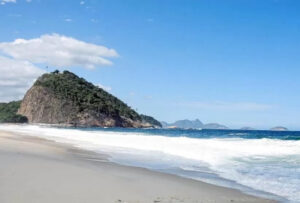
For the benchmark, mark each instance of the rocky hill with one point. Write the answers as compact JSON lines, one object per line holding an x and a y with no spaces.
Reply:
{"x":8,"y":113}
{"x":149,"y":119}
{"x":65,"y":99}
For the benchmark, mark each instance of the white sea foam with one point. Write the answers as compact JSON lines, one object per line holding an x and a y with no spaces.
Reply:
{"x":268,"y":165}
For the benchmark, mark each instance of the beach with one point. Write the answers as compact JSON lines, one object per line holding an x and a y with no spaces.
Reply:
{"x":37,"y":170}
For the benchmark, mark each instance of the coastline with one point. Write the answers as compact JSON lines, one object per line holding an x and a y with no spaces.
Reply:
{"x":37,"y":170}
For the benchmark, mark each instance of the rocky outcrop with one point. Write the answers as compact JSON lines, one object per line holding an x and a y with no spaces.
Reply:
{"x":42,"y":104}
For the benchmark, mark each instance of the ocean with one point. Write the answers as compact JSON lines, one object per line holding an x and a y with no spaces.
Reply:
{"x":263,"y":163}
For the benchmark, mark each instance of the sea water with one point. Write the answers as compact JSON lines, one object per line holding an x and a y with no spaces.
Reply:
{"x":265,"y":163}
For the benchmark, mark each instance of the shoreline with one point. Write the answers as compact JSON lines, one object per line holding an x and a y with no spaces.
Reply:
{"x":38,"y":170}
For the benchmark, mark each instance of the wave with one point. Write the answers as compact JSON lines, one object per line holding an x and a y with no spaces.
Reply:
{"x":269,"y":165}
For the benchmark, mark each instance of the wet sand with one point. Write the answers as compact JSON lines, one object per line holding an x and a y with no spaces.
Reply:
{"x":35,"y":170}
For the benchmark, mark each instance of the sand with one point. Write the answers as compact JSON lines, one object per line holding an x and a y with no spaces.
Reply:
{"x":35,"y":170}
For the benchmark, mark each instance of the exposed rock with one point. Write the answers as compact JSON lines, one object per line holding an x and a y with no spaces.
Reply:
{"x":151,"y":120}
{"x":65,"y":99}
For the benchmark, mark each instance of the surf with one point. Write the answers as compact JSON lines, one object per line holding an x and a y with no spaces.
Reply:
{"x":269,"y":165}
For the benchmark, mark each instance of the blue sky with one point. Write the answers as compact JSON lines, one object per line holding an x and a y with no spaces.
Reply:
{"x":234,"y":62}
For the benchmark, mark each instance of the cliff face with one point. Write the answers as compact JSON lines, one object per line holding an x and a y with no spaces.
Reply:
{"x":65,"y":99}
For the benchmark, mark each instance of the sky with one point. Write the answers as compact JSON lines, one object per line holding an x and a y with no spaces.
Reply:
{"x":234,"y":62}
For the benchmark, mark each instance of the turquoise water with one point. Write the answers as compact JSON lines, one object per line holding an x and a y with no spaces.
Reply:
{"x":265,"y":163}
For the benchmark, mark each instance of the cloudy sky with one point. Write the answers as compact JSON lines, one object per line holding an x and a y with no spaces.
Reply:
{"x":233,"y":62}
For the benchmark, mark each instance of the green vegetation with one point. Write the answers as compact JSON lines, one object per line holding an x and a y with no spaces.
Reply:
{"x":8,"y":113}
{"x":85,"y":95}
{"x":151,"y":120}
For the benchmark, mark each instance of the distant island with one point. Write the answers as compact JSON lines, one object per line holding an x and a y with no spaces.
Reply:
{"x":63,"y":98}
{"x":192,"y":124}
{"x":247,"y":128}
{"x":197,"y":124}
{"x":279,"y":128}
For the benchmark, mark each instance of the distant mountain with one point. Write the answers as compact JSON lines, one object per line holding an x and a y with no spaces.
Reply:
{"x":214,"y":126}
{"x":279,"y":128}
{"x":247,"y":128}
{"x":188,"y":124}
{"x":192,"y":124}
{"x":164,"y":124}
{"x":64,"y":98}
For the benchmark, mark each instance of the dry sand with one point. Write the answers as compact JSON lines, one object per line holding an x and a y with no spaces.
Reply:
{"x":34,"y":170}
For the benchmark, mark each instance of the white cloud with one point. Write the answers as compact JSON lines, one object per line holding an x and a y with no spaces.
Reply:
{"x":68,"y":20}
{"x":107,"y":88}
{"x":15,"y":78}
{"x":82,"y":2}
{"x":2,"y":2}
{"x":226,"y":106}
{"x":59,"y":51}
{"x":28,"y":1}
